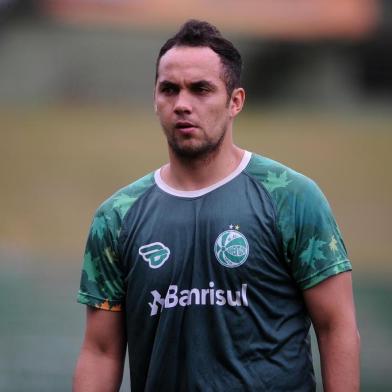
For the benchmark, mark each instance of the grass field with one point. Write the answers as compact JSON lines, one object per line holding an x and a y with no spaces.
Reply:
{"x":57,"y":164}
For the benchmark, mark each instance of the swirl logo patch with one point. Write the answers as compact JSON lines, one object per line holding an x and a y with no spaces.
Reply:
{"x":231,"y":248}
{"x":155,"y":254}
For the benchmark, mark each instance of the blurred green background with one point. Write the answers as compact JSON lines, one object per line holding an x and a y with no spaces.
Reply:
{"x":77,"y":123}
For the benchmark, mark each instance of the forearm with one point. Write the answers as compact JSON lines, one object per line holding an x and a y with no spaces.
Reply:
{"x":339,"y":355}
{"x":97,"y":372}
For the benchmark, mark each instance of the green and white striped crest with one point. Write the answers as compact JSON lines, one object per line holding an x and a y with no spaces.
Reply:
{"x":231,"y":248}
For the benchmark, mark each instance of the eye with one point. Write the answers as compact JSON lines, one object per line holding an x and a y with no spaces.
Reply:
{"x":168,"y":89}
{"x":201,"y":88}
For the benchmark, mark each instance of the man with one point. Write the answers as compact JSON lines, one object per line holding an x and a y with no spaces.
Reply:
{"x":210,"y":267}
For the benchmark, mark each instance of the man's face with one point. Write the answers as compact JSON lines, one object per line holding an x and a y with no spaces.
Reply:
{"x":191,"y":101}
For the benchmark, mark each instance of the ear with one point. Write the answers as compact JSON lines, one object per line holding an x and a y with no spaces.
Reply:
{"x":237,"y":101}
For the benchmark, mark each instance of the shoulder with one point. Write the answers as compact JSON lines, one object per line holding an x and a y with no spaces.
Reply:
{"x":299,"y":203}
{"x":118,"y":204}
{"x":312,"y":243}
{"x":281,"y":181}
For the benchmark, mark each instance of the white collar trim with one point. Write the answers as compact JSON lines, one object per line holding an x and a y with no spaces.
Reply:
{"x":200,"y":192}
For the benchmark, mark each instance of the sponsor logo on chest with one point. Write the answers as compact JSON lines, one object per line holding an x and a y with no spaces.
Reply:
{"x":195,"y":296}
{"x":155,"y":254}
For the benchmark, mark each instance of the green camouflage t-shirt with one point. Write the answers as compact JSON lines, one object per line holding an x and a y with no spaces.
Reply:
{"x":211,"y":280}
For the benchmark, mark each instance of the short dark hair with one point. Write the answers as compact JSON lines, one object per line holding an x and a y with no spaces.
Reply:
{"x":196,"y":33}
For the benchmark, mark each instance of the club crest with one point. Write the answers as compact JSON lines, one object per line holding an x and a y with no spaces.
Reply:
{"x":231,"y":248}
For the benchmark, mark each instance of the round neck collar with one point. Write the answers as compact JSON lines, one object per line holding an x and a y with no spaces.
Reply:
{"x":200,"y":192}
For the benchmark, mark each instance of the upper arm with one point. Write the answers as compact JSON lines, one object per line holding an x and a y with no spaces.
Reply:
{"x":101,"y":361}
{"x":330,"y":303}
{"x":105,"y":332}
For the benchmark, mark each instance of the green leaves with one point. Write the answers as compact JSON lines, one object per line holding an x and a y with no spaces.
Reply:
{"x":98,"y":227}
{"x":275,"y":181}
{"x":313,"y":252}
{"x":106,"y":279}
{"x":89,"y":267}
{"x":122,"y":203}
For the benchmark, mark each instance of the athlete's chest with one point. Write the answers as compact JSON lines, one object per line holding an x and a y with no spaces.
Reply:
{"x":228,"y":236}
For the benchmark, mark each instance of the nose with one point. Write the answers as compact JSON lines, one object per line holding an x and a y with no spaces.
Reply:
{"x":183,"y":103}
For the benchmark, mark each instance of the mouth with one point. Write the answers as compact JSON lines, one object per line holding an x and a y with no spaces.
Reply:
{"x":185,"y":126}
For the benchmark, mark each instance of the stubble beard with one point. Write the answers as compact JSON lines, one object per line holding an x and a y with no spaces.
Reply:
{"x":204,"y":151}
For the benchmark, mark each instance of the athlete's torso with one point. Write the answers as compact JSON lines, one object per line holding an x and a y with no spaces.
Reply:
{"x":211,"y":281}
{"x":210,"y":303}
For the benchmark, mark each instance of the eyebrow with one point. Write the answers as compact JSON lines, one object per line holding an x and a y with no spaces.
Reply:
{"x":167,"y":83}
{"x":203,"y":83}
{"x":198,"y":83}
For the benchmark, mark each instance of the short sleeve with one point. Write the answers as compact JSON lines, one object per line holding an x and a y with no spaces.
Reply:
{"x":102,"y":283}
{"x":313,"y":244}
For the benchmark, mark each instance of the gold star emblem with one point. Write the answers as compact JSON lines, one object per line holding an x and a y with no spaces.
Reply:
{"x":237,"y":227}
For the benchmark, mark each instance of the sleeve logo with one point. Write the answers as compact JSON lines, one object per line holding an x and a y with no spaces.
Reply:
{"x":231,"y":248}
{"x":155,"y":254}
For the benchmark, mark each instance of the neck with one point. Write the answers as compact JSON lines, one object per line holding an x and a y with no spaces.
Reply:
{"x":193,"y":174}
